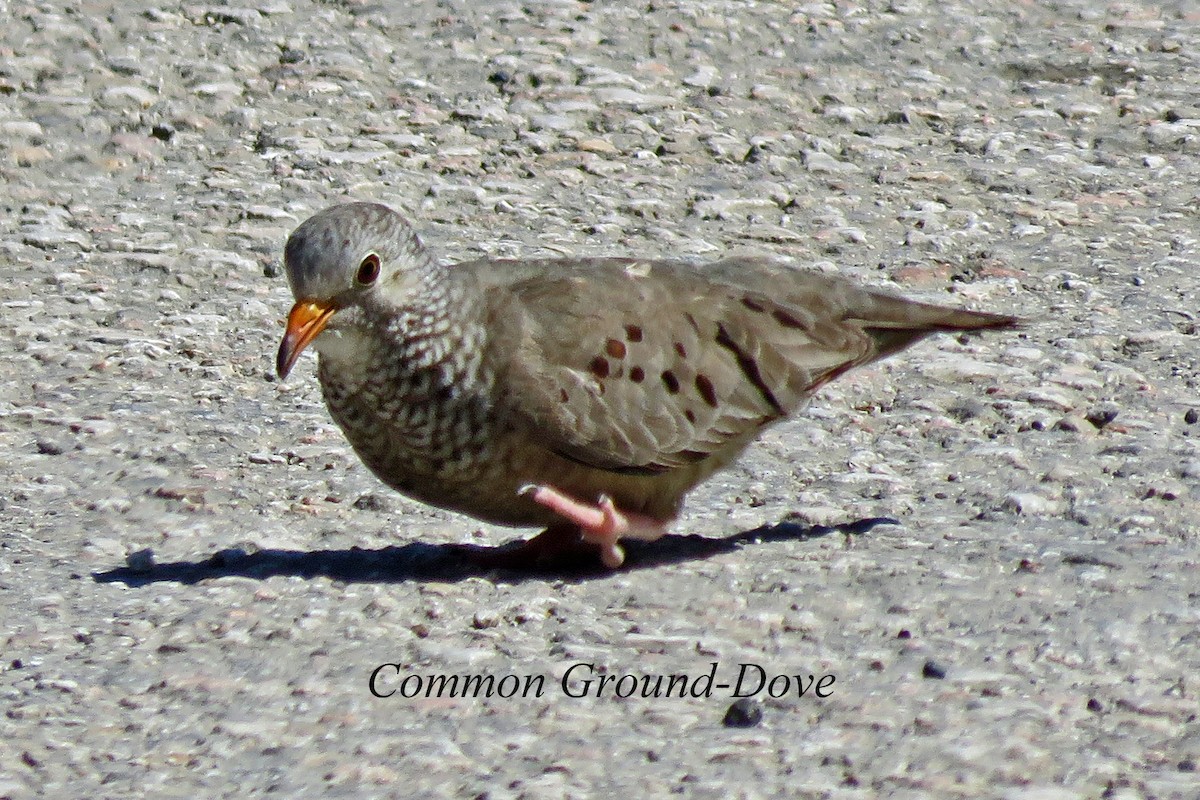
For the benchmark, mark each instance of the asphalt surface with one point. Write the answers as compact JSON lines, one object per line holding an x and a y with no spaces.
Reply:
{"x":989,"y":544}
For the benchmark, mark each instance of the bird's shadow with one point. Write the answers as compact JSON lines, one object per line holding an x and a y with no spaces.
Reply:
{"x":443,"y":563}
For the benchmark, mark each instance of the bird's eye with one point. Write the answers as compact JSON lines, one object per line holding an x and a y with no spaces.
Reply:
{"x":368,"y":270}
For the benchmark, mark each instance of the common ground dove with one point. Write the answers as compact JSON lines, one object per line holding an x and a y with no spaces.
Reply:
{"x":585,"y":395}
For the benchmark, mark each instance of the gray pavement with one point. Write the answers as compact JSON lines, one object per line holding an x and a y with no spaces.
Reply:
{"x":198,"y":580}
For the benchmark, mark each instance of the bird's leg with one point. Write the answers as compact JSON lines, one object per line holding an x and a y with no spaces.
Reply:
{"x":600,"y":524}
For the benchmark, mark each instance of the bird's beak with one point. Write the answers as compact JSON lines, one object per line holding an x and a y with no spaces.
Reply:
{"x":306,"y":320}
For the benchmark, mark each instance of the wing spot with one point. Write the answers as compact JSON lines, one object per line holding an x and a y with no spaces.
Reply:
{"x":690,"y":416}
{"x":671,"y":382}
{"x":753,"y":305}
{"x":692,"y":321}
{"x":615,"y":348}
{"x":563,"y":397}
{"x":681,"y":350}
{"x":787,"y":320}
{"x":599,"y":367}
{"x":637,"y":375}
{"x":705,"y":387}
{"x":633,"y":333}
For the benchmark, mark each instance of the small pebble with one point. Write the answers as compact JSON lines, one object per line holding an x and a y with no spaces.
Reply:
{"x":933,"y":670}
{"x":1102,"y":415}
{"x":1030,"y":504}
{"x":743,"y":713}
{"x":371,"y":502}
{"x":47,"y":447}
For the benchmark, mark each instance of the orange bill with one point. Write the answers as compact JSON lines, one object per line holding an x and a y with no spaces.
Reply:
{"x":306,"y":320}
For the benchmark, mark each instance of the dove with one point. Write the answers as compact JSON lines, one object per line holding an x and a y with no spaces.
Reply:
{"x":584,"y":396}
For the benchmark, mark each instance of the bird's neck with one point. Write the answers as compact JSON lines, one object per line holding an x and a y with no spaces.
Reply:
{"x":415,"y":388}
{"x":433,"y":342}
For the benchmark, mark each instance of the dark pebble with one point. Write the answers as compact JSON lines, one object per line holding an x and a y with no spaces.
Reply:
{"x":744,"y":713}
{"x":933,"y":670}
{"x":371,"y":502}
{"x":1102,"y":415}
{"x":1191,"y":416}
{"x":966,"y":409}
{"x":1066,"y":424}
{"x":264,"y":141}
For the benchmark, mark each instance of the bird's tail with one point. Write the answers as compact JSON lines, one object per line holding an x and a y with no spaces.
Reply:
{"x":895,"y":323}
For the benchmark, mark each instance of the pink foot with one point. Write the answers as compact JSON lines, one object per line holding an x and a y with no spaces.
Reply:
{"x":600,"y":524}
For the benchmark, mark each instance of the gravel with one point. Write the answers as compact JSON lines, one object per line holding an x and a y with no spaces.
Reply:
{"x":199,"y":580}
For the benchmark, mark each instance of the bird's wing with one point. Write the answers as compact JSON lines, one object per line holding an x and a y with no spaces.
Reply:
{"x":644,"y":366}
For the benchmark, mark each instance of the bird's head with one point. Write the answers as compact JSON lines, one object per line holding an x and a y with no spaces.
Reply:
{"x":341,"y":261}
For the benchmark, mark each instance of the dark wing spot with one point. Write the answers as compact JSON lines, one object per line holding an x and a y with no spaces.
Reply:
{"x":705,"y":387}
{"x":637,"y":375}
{"x":750,"y":369}
{"x":753,"y":305}
{"x":693,"y":455}
{"x":599,"y":367}
{"x":633,"y":333}
{"x":692,"y":321}
{"x":787,"y":320}
{"x":681,"y":350}
{"x":563,"y":397}
{"x":690,"y":415}
{"x":614,"y":348}
{"x":671,"y":382}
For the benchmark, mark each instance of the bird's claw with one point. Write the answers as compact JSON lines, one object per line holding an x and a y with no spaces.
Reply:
{"x":602,"y":524}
